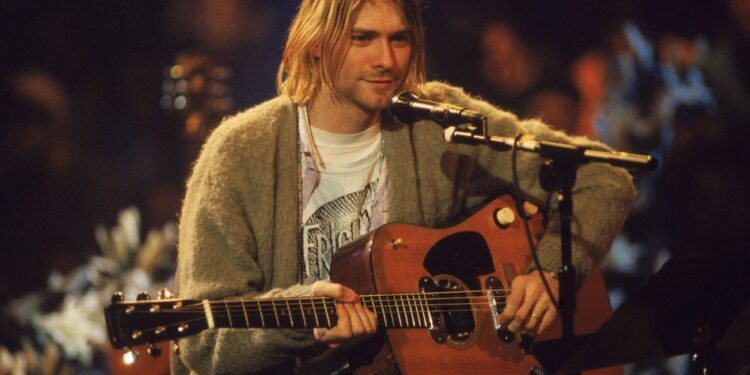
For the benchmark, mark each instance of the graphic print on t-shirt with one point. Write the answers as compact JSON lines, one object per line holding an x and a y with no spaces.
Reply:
{"x":333,"y":225}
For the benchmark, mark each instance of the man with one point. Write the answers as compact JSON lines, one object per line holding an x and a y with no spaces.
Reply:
{"x":279,"y":187}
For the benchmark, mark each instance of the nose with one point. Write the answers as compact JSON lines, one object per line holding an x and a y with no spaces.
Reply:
{"x":384,"y":56}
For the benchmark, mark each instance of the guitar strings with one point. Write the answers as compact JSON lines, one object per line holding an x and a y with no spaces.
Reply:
{"x":415,"y":295}
{"x":411,"y":321}
{"x":404,"y":310}
{"x":414,"y":319}
{"x":460,"y":291}
{"x":395,"y":309}
{"x":295,"y":310}
{"x":307,"y":302}
{"x":400,"y":308}
{"x":325,"y":303}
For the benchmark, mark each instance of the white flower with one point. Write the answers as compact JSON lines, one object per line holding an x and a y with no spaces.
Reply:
{"x":130,"y":222}
{"x":123,"y":240}
{"x":102,"y":239}
{"x":77,"y":326}
{"x":25,"y":308}
{"x":7,"y":360}
{"x":154,"y":252}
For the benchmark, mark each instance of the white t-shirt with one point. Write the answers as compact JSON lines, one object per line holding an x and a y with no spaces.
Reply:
{"x":343,"y":191}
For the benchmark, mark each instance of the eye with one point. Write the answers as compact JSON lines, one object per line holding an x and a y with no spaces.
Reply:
{"x":361,"y":39}
{"x":400,"y":40}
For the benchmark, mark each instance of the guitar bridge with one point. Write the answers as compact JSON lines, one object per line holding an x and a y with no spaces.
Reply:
{"x":437,"y":326}
{"x":496,"y":301}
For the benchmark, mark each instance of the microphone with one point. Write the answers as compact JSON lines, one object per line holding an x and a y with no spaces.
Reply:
{"x":407,"y":107}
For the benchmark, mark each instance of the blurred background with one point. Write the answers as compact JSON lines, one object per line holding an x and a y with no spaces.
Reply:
{"x":105,"y":104}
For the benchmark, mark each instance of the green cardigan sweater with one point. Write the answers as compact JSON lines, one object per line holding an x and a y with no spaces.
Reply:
{"x":239,"y":228}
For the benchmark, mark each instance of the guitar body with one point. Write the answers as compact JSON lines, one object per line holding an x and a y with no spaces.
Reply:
{"x":395,"y":257}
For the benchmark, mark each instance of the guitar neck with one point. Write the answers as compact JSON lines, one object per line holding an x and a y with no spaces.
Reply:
{"x":408,"y":310}
{"x":144,"y":321}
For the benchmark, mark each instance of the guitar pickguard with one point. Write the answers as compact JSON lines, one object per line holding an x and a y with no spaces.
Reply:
{"x":463,"y":255}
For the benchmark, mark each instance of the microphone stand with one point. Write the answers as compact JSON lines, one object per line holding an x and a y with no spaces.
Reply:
{"x":558,"y":175}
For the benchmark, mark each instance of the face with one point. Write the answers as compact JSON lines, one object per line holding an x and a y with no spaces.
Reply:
{"x":377,"y":59}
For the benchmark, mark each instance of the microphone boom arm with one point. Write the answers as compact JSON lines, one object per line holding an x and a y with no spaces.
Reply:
{"x":555,"y":150}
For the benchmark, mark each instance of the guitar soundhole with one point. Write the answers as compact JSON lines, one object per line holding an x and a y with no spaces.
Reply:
{"x":459,"y":316}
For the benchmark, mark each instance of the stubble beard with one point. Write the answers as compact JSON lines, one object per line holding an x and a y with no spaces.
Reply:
{"x":370,"y":100}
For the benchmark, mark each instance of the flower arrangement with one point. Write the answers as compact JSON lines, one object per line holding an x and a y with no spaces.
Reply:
{"x":71,"y":336}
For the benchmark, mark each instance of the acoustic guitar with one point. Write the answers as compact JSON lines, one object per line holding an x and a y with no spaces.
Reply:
{"x":436,"y":292}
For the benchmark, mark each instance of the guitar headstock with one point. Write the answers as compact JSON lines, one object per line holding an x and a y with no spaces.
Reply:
{"x":148,"y":321}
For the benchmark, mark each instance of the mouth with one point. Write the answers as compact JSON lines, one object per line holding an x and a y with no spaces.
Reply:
{"x":380,"y":83}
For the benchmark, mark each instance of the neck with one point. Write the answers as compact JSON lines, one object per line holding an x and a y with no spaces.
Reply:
{"x":338,"y":116}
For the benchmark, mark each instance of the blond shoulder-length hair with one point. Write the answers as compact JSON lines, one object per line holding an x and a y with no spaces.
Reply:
{"x":325,"y":26}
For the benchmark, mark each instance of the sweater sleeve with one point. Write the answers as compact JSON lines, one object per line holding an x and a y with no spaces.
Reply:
{"x":218,"y":259}
{"x":602,"y":197}
{"x":602,"y":194}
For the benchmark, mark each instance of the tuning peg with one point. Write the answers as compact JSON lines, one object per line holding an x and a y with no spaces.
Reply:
{"x":130,"y":356}
{"x":153,"y":351}
{"x":117,"y":297}
{"x":165,"y":294}
{"x":142,"y":296}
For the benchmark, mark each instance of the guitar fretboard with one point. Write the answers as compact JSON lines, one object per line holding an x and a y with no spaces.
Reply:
{"x":408,"y":310}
